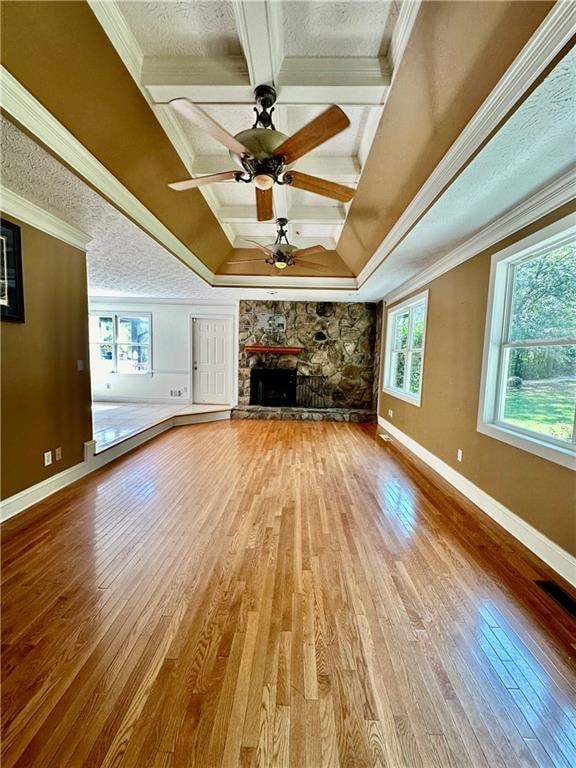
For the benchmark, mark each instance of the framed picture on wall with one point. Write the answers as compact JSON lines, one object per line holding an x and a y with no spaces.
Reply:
{"x":11,"y":290}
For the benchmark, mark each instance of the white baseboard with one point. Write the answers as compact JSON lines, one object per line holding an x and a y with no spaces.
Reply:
{"x":93,"y":461}
{"x":29,"y":496}
{"x":557,"y":558}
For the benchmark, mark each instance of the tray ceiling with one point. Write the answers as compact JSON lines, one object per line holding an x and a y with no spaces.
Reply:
{"x":216,"y":52}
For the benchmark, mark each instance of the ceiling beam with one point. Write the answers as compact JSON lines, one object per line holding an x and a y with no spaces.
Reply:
{"x":260,"y":31}
{"x":226,"y":80}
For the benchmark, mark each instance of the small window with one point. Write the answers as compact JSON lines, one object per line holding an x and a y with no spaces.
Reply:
{"x":405,"y":332}
{"x":120,"y":343}
{"x":529,"y":377}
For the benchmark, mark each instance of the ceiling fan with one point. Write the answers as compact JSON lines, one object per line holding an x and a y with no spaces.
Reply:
{"x":282,"y":254}
{"x":266,"y":155}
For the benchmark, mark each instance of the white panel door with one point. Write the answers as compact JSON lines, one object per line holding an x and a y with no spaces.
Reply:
{"x":211,"y":360}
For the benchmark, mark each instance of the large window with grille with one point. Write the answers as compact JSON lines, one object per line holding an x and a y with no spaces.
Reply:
{"x":529,"y":378}
{"x":120,"y":343}
{"x":404,"y":358}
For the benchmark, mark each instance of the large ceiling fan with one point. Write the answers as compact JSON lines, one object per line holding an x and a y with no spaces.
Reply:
{"x":266,"y":155}
{"x":282,"y":254}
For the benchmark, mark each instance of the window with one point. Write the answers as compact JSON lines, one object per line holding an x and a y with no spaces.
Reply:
{"x":120,"y":343}
{"x":405,"y":331}
{"x":529,"y":379}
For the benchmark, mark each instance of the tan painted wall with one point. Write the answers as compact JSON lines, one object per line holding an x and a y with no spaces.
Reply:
{"x":457,"y":53}
{"x":539,"y":491}
{"x":45,"y":401}
{"x":60,"y":53}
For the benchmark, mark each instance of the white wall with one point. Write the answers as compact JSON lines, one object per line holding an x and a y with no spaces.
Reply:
{"x":171,"y":351}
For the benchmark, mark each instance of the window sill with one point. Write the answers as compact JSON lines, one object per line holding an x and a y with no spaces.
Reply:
{"x":134,"y":373}
{"x":413,"y":400}
{"x":555,"y":453}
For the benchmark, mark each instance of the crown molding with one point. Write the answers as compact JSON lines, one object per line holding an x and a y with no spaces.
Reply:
{"x":262,"y":281}
{"x":546,"y":200}
{"x":114,"y":24}
{"x":548,"y":40}
{"x":97,"y":300}
{"x":24,"y":210}
{"x":18,"y":103}
{"x":402,"y":31}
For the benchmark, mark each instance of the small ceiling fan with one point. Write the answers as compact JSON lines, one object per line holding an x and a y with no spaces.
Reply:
{"x":266,"y":155}
{"x":282,"y":254}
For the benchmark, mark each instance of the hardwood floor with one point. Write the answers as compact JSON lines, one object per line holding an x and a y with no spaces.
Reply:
{"x":255,"y":593}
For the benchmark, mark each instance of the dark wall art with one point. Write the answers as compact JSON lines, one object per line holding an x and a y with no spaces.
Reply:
{"x":11,"y":289}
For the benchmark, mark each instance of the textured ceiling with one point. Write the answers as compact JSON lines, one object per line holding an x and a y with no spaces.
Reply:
{"x":343,"y":29}
{"x":535,"y":146}
{"x":183,"y":28}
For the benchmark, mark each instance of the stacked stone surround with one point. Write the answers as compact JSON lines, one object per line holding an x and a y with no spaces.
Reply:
{"x":337,"y":340}
{"x":356,"y":415}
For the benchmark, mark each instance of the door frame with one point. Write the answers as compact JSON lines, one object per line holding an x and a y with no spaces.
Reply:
{"x":232,"y":383}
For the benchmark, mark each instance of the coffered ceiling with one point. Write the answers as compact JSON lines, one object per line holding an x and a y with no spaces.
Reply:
{"x":216,"y":52}
{"x":459,"y":112}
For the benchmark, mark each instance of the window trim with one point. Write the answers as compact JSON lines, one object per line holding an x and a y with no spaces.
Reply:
{"x":116,"y":315}
{"x":497,"y":318}
{"x":392,"y":312}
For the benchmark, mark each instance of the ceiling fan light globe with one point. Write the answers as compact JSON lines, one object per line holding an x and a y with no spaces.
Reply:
{"x":261,"y":142}
{"x":280,"y":264}
{"x":263,"y":181}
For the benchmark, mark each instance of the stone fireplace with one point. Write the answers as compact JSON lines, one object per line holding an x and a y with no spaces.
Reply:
{"x":325,"y":349}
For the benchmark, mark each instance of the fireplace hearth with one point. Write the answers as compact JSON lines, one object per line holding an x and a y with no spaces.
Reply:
{"x":273,"y":387}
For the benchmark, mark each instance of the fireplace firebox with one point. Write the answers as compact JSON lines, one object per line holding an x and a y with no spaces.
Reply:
{"x":273,"y":387}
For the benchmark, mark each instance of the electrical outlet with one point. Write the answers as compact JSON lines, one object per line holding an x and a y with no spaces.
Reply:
{"x":459,"y":454}
{"x":47,"y":458}
{"x":390,"y":413}
{"x":58,"y":454}
{"x":108,"y":386}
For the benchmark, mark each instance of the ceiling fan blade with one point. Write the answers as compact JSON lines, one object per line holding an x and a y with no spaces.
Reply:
{"x":199,"y":181}
{"x":267,"y":251}
{"x":321,"y":186}
{"x":311,"y":264}
{"x":309,"y":251}
{"x":244,"y":261}
{"x":264,"y":203}
{"x":316,"y":132}
{"x":206,"y":123}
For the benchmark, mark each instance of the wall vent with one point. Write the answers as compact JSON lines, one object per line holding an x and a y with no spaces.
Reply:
{"x":557,"y":593}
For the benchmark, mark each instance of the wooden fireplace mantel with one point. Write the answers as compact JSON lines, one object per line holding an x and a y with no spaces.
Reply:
{"x":275,"y":350}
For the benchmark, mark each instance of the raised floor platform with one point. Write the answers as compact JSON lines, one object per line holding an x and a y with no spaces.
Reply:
{"x":114,"y":422}
{"x":355,"y":415}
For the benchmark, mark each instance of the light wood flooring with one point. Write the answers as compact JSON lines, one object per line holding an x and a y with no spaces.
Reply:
{"x":113,"y":422}
{"x":267,"y":593}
